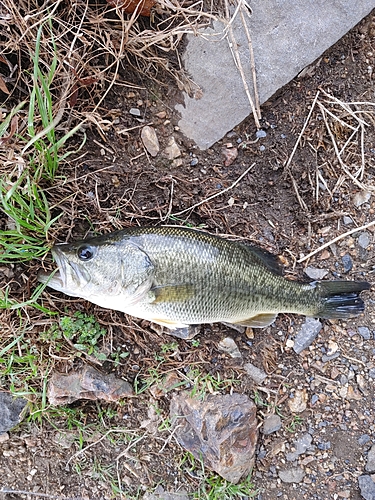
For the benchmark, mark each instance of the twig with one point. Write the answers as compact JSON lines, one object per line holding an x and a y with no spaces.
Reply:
{"x":236,"y":55}
{"x":252,"y":63}
{"x":335,"y":240}
{"x":36,"y":494}
{"x":216,"y":194}
{"x":79,"y":452}
{"x":342,"y":164}
{"x":302,"y":131}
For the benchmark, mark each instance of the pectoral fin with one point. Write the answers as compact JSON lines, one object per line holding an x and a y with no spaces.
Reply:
{"x":258,"y":321}
{"x":172,"y":293}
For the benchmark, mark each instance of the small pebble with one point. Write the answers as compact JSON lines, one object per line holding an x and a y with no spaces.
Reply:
{"x":307,"y":334}
{"x":326,"y":358}
{"x":364,"y":332}
{"x":370,"y":465}
{"x":324,"y":446}
{"x":260,"y":133}
{"x":271,"y":424}
{"x":258,"y":375}
{"x":371,"y":373}
{"x":347,"y":220}
{"x":135,"y":111}
{"x":361,"y":197}
{"x":314,"y":399}
{"x":364,"y":239}
{"x":262,"y":148}
{"x":294,"y":475}
{"x":347,"y":263}
{"x":229,"y":346}
{"x":364,"y":439}
{"x":194,"y":162}
{"x":315,"y":273}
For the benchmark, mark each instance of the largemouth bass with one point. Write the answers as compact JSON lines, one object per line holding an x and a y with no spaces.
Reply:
{"x":178,"y":277}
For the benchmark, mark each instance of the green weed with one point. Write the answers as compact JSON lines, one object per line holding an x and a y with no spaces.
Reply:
{"x":214,"y":487}
{"x":82,"y":330}
{"x":22,"y":193}
{"x":203,"y":383}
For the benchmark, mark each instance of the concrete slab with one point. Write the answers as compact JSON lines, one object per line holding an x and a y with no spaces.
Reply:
{"x":286,"y":37}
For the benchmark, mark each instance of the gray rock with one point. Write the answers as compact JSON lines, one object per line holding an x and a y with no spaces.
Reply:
{"x":10,"y":411}
{"x":371,"y":372}
{"x":370,"y":464}
{"x":293,"y":475}
{"x":258,"y":375}
{"x":364,"y":239}
{"x":347,"y":220}
{"x":307,"y":334}
{"x":221,"y":430}
{"x":286,"y":37}
{"x":272,"y":423}
{"x":315,"y":273}
{"x":367,"y":487}
{"x":347,"y":263}
{"x":364,"y":332}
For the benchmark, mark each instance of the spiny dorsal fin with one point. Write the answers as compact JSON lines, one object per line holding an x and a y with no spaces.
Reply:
{"x":270,"y":260}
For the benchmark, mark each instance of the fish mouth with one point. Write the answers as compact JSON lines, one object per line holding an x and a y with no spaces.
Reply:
{"x":56,"y":279}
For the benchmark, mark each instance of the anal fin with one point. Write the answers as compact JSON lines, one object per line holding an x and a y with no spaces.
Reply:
{"x":258,"y":321}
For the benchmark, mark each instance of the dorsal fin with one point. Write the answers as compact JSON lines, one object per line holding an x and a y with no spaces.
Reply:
{"x":270,"y":260}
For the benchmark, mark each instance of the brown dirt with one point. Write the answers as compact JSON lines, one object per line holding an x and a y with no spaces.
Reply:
{"x":114,"y":184}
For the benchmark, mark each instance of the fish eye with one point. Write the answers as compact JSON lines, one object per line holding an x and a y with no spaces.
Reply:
{"x":85,"y":252}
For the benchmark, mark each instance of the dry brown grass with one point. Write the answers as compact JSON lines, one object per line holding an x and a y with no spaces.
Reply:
{"x":97,"y":46}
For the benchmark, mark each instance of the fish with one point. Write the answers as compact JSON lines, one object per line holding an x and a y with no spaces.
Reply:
{"x":177,"y":277}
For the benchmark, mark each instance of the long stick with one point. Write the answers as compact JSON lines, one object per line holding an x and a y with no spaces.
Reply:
{"x":335,"y":240}
{"x":216,"y":194}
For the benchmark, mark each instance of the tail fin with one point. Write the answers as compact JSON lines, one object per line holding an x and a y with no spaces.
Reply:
{"x":340,"y":299}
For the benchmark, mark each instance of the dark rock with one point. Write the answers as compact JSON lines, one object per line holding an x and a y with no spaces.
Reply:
{"x":272,"y":423}
{"x":347,"y":263}
{"x":307,"y":334}
{"x":10,"y":411}
{"x":220,"y":430}
{"x":367,"y":487}
{"x":86,"y":383}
